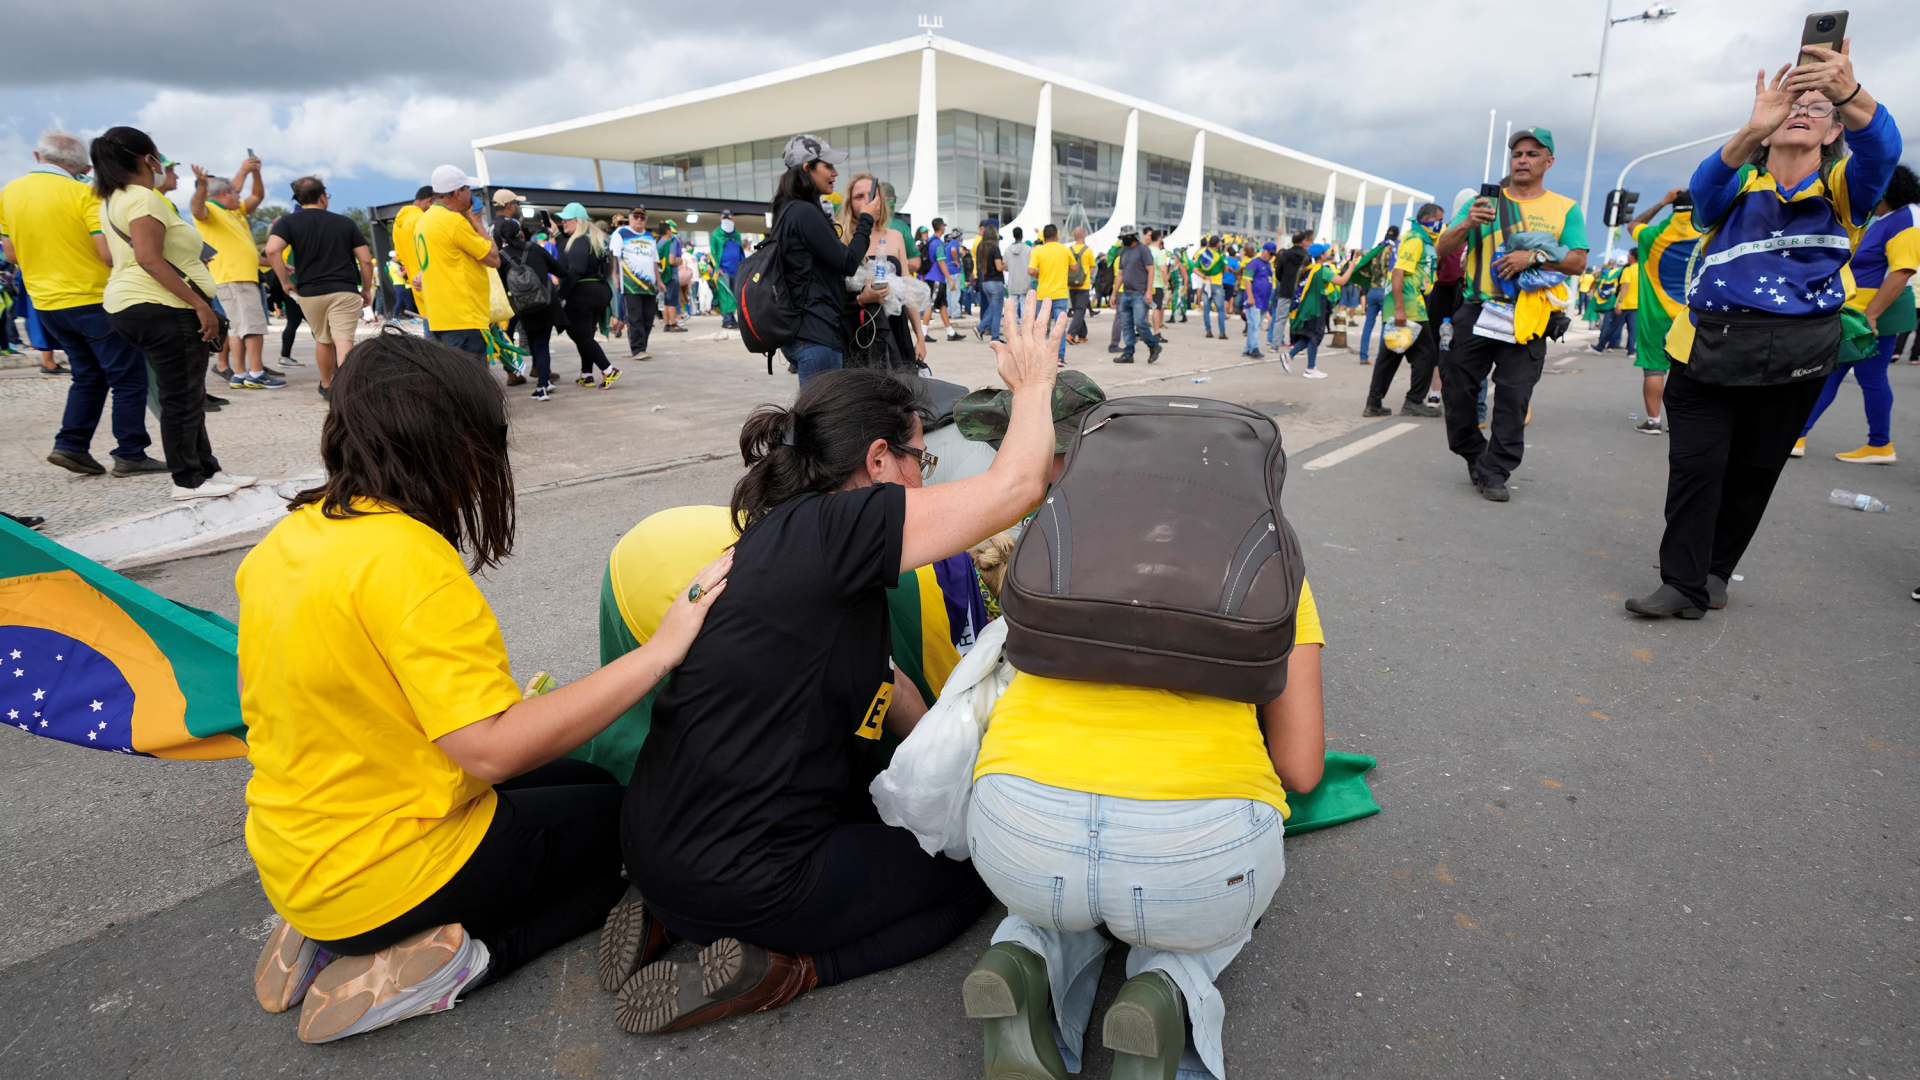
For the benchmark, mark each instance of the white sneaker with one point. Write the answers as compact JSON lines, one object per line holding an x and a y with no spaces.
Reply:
{"x":208,"y":489}
{"x":424,"y":974}
{"x":236,"y":481}
{"x":1314,"y":373}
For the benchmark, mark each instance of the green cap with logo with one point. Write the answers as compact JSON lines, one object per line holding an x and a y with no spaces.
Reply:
{"x":982,"y":416}
{"x":1538,"y":134}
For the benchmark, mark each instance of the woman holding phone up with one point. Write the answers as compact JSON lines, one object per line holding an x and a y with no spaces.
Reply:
{"x":1782,"y":205}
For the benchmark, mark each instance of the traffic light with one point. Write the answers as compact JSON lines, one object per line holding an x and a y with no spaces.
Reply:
{"x":1620,"y":206}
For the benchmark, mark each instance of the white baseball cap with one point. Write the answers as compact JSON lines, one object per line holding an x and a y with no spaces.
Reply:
{"x":450,"y":178}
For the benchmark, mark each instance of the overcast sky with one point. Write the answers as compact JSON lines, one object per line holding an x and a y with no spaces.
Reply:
{"x":1400,"y":89}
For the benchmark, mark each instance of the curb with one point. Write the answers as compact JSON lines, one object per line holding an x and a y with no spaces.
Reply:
{"x":187,"y":525}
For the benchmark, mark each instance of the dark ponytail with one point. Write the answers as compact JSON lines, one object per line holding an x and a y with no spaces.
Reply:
{"x":822,"y":440}
{"x":1903,"y":189}
{"x":116,"y":157}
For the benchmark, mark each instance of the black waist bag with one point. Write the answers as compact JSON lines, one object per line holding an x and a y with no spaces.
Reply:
{"x":1161,"y":558}
{"x":1760,"y":349}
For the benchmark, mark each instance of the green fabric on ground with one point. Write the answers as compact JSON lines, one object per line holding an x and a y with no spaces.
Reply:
{"x":1342,"y":796}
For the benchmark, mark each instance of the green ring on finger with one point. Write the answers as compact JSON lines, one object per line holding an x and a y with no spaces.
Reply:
{"x":694,"y":592}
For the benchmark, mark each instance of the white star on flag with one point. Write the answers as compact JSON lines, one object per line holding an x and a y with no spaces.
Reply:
{"x":96,"y":706}
{"x":1779,"y":299}
{"x":1720,"y":283}
{"x":57,"y":657}
{"x":16,"y":655}
{"x":23,"y":727}
{"x":13,"y":714}
{"x":91,"y":736}
{"x":1756,"y":290}
{"x":38,"y":694}
{"x":17,"y":673}
{"x":1780,"y":232}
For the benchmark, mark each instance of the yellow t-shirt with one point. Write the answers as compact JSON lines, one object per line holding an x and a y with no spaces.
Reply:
{"x":450,"y":250}
{"x":361,"y":641}
{"x":129,"y":283}
{"x":51,"y":219}
{"x":228,"y":232}
{"x":1132,"y":742}
{"x":1630,"y":289}
{"x":1083,"y":253}
{"x":404,"y":224}
{"x":1051,"y":260}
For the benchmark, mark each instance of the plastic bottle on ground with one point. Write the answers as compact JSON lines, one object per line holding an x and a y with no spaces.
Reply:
{"x":1868,"y":503}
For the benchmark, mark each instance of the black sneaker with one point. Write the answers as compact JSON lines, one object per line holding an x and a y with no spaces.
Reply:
{"x":1494,"y":491}
{"x":77,"y":461}
{"x":215,"y":402}
{"x":1418,"y":410}
{"x":1663,"y":601}
{"x":1376,"y":410}
{"x":1124,"y":358}
{"x":33,"y":521}
{"x":140,"y":466}
{"x":1153,"y":353}
{"x":1716,"y":592}
{"x":326,"y":392}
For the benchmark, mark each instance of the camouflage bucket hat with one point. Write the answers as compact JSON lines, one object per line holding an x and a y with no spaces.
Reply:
{"x":982,"y":415}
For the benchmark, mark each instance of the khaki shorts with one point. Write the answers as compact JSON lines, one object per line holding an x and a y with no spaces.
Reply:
{"x":246,"y":314}
{"x":334,"y":316}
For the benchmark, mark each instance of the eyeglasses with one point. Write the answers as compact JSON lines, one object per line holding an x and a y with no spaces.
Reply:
{"x":1819,"y":110}
{"x":927,"y":460}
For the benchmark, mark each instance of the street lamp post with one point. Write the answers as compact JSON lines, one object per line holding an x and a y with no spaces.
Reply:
{"x":1599,"y":75}
{"x":1612,"y":230}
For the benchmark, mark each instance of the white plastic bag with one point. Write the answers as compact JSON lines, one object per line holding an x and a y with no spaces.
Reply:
{"x":929,"y":786}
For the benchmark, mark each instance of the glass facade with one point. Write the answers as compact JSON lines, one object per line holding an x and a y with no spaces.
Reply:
{"x":986,"y":166}
{"x":749,"y":170}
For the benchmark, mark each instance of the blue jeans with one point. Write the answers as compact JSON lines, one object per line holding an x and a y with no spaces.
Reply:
{"x":1054,"y":309}
{"x":1214,"y":299}
{"x":1875,"y":392}
{"x":1611,"y":324}
{"x":1254,"y":315}
{"x":1181,"y":881}
{"x":1133,"y":321}
{"x":103,"y":363}
{"x":467,"y":341}
{"x":992,"y":295}
{"x":1375,"y":297}
{"x":813,"y":358}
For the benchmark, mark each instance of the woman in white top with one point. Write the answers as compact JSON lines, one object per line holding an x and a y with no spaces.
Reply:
{"x":157,"y":297}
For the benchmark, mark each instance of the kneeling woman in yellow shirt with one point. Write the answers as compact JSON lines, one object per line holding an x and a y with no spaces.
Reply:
{"x":407,"y":812}
{"x":1156,"y":813}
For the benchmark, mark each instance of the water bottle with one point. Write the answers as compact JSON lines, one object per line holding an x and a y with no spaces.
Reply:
{"x":880,"y":267}
{"x":1859,"y":502}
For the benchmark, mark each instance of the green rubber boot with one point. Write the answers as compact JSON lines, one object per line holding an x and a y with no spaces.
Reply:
{"x":1146,"y":1028}
{"x":1007,"y":989}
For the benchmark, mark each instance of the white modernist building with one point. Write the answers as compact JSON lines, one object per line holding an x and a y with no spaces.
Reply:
{"x":968,"y":135}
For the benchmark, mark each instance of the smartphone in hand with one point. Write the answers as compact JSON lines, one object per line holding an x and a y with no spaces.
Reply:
{"x":1827,"y":29}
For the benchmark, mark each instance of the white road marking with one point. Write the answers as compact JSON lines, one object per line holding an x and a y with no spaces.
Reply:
{"x":1355,"y":449}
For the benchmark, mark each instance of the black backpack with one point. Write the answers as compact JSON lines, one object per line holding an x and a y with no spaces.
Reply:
{"x":1160,"y":557}
{"x":528,"y":290}
{"x":768,"y":318}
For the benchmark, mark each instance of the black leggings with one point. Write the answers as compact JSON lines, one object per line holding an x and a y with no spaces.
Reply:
{"x":177,"y":355}
{"x":539,"y":328}
{"x":879,"y":902}
{"x":294,"y":315}
{"x":547,"y":871}
{"x":583,"y":310}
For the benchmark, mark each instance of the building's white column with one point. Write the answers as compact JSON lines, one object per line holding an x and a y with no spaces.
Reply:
{"x":1126,"y":207}
{"x":1324,"y":234}
{"x":1038,"y":210}
{"x":922,"y":204}
{"x":480,"y":167}
{"x":1386,"y":214}
{"x":1187,"y":233}
{"x":1354,"y":239}
{"x":1406,"y":219}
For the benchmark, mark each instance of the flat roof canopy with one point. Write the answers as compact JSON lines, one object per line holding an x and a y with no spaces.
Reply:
{"x":884,"y":82}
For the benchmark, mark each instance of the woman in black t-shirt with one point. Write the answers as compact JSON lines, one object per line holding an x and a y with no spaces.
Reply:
{"x":747,"y":826}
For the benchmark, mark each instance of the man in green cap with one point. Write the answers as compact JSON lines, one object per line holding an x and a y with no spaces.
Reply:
{"x":982,"y":415}
{"x":1482,"y":227}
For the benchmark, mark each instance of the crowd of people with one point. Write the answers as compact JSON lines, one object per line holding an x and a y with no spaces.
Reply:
{"x":423,"y":826}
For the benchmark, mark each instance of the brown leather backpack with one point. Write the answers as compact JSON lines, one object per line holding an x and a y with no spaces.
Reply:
{"x":1161,"y":558}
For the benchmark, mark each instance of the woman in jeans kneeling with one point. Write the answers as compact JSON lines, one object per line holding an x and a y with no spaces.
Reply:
{"x":1153,"y":813}
{"x":159,"y":298}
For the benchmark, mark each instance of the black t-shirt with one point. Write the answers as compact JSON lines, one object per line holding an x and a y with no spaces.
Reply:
{"x":983,"y":259}
{"x":323,"y":244}
{"x":751,"y":756}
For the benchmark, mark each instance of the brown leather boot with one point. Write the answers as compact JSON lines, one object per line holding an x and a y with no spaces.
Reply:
{"x":732,"y":977}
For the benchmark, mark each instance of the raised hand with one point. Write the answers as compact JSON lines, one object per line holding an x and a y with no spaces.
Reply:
{"x":1028,"y":356}
{"x":1772,"y":101}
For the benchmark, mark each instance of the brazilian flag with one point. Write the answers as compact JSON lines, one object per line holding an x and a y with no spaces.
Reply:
{"x":90,"y":658}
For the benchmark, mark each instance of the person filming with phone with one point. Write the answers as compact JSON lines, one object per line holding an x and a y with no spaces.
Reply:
{"x":1484,"y":338}
{"x":1781,"y":206}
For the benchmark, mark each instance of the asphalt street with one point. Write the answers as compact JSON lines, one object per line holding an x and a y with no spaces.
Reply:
{"x":1609,"y":847}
